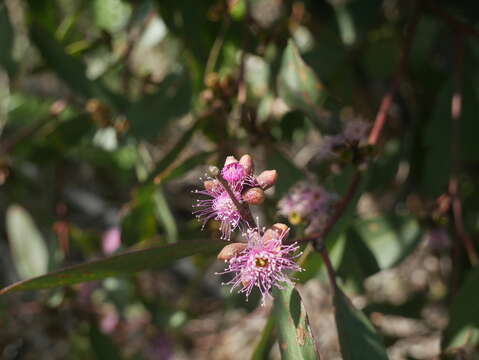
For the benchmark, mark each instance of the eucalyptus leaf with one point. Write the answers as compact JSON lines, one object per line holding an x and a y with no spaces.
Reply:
{"x":357,"y":337}
{"x":28,"y":247}
{"x":296,"y":340}
{"x":122,"y":264}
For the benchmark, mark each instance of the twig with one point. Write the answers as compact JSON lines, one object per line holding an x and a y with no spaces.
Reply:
{"x":329,"y":267}
{"x":456,"y":110}
{"x":387,"y":100}
{"x":339,"y":210}
{"x":242,"y":207}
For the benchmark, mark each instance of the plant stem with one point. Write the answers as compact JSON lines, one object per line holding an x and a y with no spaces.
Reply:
{"x":242,"y":207}
{"x":456,"y":111}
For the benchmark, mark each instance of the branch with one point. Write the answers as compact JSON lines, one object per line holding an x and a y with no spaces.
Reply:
{"x":456,"y":111}
{"x":242,"y":207}
{"x":387,"y":100}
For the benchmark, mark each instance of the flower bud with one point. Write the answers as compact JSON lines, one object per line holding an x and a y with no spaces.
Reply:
{"x":276,"y":231}
{"x":230,"y":160}
{"x":247,"y":162}
{"x":254,"y":196}
{"x":211,"y":185}
{"x":267,"y":178}
{"x":213,"y":170}
{"x":230,"y":251}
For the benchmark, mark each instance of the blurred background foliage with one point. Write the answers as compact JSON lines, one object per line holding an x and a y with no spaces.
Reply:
{"x":111,"y":110}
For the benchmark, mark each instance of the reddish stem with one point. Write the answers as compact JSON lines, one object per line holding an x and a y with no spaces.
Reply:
{"x":456,"y":111}
{"x":242,"y":207}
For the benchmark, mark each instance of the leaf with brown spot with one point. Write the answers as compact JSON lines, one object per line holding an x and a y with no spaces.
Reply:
{"x":294,"y":332}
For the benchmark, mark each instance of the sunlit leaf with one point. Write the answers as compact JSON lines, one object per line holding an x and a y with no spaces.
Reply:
{"x":28,"y":248}
{"x":390,"y":238}
{"x":295,"y":337}
{"x":298,"y":85}
{"x":463,"y":327}
{"x":122,"y":264}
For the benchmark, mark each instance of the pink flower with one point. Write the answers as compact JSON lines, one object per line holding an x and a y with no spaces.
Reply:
{"x":233,"y":173}
{"x":306,"y":202}
{"x":219,"y":207}
{"x":263,"y":263}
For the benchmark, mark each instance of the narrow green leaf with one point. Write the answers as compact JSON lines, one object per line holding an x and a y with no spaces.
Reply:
{"x":357,"y":337}
{"x":298,"y":85}
{"x":122,"y":264}
{"x":70,"y":69}
{"x":463,"y":327}
{"x":266,"y":341}
{"x":358,"y":261}
{"x":390,"y":238}
{"x":152,"y":112}
{"x":28,"y":248}
{"x":295,"y":337}
{"x":6,"y":41}
{"x":165,"y":215}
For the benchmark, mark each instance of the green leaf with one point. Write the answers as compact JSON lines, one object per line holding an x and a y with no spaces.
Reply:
{"x":6,"y":42}
{"x":298,"y":85}
{"x":102,"y":345}
{"x":152,"y":112}
{"x":29,"y":251}
{"x":71,"y":70}
{"x":266,"y":341}
{"x":463,"y":327}
{"x":296,"y":340}
{"x":358,"y":261}
{"x":391,"y":238}
{"x":357,"y":337}
{"x":122,"y":264}
{"x":165,"y":215}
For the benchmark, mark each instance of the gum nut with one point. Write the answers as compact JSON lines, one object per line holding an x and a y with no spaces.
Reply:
{"x":211,"y":185}
{"x":230,"y":160}
{"x":267,"y":178}
{"x":213,"y":171}
{"x":274,"y":231}
{"x":247,"y":162}
{"x":254,"y":196}
{"x":230,"y":251}
{"x":280,"y":227}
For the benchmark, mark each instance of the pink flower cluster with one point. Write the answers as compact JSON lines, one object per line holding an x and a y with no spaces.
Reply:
{"x":245,"y":187}
{"x":308,"y":203}
{"x":263,"y":261}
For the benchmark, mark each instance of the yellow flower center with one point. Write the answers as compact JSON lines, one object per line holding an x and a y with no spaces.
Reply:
{"x":294,"y":218}
{"x":260,"y":262}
